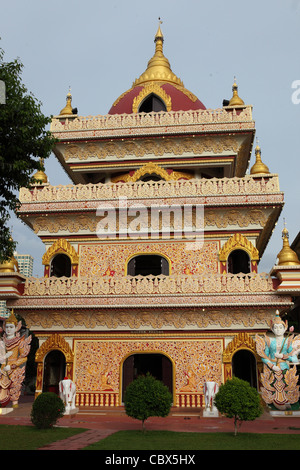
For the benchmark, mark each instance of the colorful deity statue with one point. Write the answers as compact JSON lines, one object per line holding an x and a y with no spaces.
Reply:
{"x":279,"y":355}
{"x":13,"y":357}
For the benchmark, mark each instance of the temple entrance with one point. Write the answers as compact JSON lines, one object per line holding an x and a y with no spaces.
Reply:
{"x":244,"y":366}
{"x":158,"y":365}
{"x":54,"y":371}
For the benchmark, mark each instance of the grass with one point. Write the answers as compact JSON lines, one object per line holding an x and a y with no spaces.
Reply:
{"x":16,"y":437}
{"x":168,"y":440}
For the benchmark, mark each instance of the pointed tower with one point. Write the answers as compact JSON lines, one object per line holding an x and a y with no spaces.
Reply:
{"x":157,"y":88}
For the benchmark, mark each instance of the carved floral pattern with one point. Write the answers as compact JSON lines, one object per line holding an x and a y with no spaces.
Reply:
{"x":100,"y":362}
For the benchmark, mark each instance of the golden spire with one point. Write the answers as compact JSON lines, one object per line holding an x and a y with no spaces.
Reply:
{"x":158,"y":68}
{"x":68,"y":108}
{"x":10,"y":265}
{"x":287,"y":257}
{"x":259,"y":167}
{"x":40,"y":176}
{"x":235,"y":100}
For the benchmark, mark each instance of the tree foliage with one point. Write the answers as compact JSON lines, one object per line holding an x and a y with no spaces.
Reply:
{"x":24,"y":141}
{"x":238,"y":400}
{"x":46,"y":410}
{"x":147,"y":396}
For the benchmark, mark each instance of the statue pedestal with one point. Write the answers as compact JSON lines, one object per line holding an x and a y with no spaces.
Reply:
{"x":284,"y":414}
{"x":5,"y":411}
{"x":210,"y":413}
{"x":71,"y":412}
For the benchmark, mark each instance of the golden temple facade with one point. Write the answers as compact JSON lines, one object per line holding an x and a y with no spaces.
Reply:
{"x":151,"y":255}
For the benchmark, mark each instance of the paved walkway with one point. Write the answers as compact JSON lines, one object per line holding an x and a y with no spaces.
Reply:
{"x":100,"y":423}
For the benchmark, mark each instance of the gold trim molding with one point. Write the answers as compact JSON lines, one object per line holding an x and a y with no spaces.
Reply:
{"x":60,"y":246}
{"x":149,"y":88}
{"x":54,"y":342}
{"x":238,"y":242}
{"x":152,"y":168}
{"x":242,"y":341}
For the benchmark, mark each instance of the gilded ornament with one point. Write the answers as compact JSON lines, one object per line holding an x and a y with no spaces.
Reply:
{"x":287,"y":257}
{"x":61,"y":245}
{"x":259,"y":167}
{"x":238,"y":242}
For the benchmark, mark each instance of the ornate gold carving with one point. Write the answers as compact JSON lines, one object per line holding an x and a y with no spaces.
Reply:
{"x":149,"y":169}
{"x":238,"y":242}
{"x":61,"y":246}
{"x":241,"y":341}
{"x":54,"y":342}
{"x":158,"y":147}
{"x":155,"y":319}
{"x":151,"y":87}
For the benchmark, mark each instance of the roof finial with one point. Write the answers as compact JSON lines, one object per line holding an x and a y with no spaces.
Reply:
{"x":158,"y":68}
{"x":68,"y":108}
{"x":235,"y":100}
{"x":259,"y":167}
{"x":287,"y":257}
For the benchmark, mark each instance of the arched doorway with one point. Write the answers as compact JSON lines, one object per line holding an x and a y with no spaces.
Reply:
{"x":158,"y":365}
{"x":244,"y":366}
{"x":54,"y":371}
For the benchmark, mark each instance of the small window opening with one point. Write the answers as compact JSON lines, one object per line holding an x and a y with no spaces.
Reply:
{"x":152,"y":177}
{"x":61,"y":266}
{"x":152,"y":104}
{"x":144,"y":265}
{"x":238,"y":262}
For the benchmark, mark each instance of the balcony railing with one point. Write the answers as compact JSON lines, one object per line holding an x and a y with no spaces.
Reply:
{"x":247,"y":185}
{"x":149,"y":285}
{"x":131,"y":123}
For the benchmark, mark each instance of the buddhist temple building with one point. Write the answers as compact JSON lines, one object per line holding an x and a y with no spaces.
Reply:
{"x":152,"y":254}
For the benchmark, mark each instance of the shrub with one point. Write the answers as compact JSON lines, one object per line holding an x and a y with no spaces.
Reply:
{"x":46,"y":410}
{"x":238,"y":400}
{"x":145,"y":397}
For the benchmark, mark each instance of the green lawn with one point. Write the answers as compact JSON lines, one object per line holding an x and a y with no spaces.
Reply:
{"x":14,"y":437}
{"x":168,"y":440}
{"x":30,"y":438}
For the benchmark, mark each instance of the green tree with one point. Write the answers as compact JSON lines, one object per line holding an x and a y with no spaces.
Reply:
{"x":47,"y":408}
{"x":238,"y":400}
{"x":145,"y":397}
{"x":24,"y":143}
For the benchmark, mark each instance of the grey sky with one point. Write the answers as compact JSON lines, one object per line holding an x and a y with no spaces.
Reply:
{"x":99,"y":47}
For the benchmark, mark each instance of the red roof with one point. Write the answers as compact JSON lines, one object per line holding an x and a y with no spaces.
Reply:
{"x":181,"y":99}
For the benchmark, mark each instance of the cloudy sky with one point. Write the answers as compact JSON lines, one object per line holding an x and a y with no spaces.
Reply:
{"x":99,"y":47}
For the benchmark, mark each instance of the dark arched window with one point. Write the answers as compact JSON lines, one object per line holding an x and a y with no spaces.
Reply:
{"x":61,"y":266}
{"x":238,"y":262}
{"x":152,"y":104}
{"x":152,"y":177}
{"x":144,"y":265}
